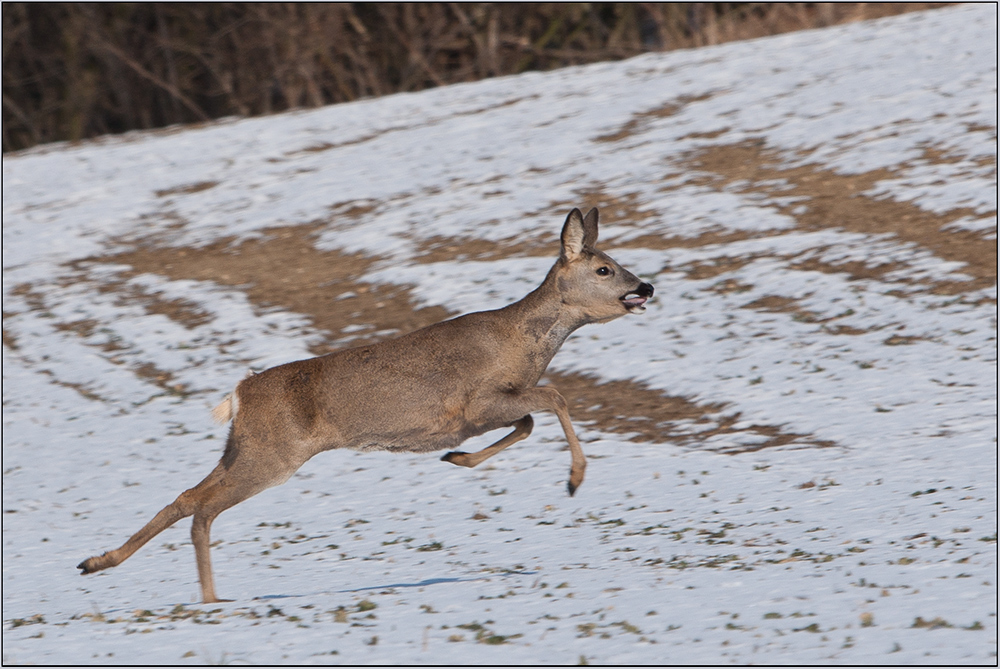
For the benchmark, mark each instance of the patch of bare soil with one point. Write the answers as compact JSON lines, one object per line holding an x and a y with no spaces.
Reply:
{"x":284,"y":269}
{"x":831,"y":200}
{"x":645,"y":414}
{"x":630,"y":407}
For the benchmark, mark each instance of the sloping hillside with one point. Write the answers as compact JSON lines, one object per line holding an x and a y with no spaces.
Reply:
{"x":793,"y":451}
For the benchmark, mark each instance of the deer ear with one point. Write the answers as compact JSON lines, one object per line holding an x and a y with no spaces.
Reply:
{"x":590,"y":228}
{"x":573,"y":236}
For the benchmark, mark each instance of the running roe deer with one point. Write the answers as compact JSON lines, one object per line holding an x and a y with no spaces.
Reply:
{"x":425,"y":391}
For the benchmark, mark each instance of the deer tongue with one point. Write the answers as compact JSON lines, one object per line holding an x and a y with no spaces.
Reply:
{"x":633,"y":301}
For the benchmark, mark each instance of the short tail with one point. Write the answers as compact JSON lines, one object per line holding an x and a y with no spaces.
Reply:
{"x":228,"y":407}
{"x":223,"y":413}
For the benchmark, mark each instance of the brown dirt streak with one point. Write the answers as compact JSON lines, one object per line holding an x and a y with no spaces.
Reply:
{"x":646,"y":414}
{"x":782,"y":304}
{"x":641,"y":120}
{"x":81,"y":389}
{"x":181,"y":311}
{"x":284,"y":269}
{"x":326,"y":146}
{"x":628,"y":406}
{"x":148,"y":371}
{"x":187,"y":188}
{"x":730,"y":286}
{"x":9,"y":340}
{"x":836,"y":201}
{"x":616,"y":209}
{"x":86,"y":328}
{"x":441,"y":248}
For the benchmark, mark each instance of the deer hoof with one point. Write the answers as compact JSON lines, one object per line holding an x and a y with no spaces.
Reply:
{"x":575,"y":479}
{"x":455,"y":458}
{"x":94,"y":564}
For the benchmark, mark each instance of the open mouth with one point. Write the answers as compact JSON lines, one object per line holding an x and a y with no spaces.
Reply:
{"x":634,"y":302}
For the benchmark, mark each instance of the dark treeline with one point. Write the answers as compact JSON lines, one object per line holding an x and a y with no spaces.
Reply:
{"x":78,"y":70}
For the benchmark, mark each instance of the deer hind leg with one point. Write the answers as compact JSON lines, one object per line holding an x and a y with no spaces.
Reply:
{"x":236,"y":483}
{"x":182,"y":507}
{"x":233,"y":480}
{"x":216,"y":499}
{"x":522,"y":428}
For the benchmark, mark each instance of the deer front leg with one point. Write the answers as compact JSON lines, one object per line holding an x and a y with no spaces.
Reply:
{"x":523,"y":403}
{"x":522,"y":429}
{"x":578,"y":463}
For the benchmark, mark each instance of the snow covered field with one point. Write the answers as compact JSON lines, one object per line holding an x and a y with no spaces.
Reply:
{"x":793,"y":452}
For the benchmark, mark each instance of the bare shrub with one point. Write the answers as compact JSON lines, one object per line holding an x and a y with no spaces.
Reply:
{"x":78,"y":70}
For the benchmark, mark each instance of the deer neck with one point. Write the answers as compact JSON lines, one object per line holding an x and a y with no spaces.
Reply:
{"x":545,"y":321}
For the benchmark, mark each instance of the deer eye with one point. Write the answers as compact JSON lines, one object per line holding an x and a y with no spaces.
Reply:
{"x":604,"y":271}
